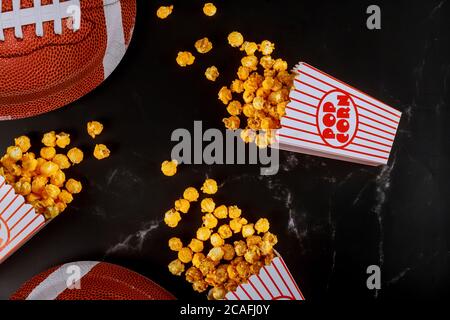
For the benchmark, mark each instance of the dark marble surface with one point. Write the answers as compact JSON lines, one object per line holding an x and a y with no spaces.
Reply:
{"x":333,"y":218}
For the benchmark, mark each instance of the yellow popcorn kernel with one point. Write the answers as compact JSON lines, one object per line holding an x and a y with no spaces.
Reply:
{"x":38,"y":184}
{"x":267,"y":123}
{"x":22,"y":188}
{"x":236,"y":225}
{"x":185,"y":255}
{"x":262,"y":225}
{"x":75,"y":155}
{"x":14,"y":153}
{"x":94,"y":128}
{"x":207,"y":205}
{"x":62,"y":161}
{"x":243,"y":73}
{"x":217,"y":240}
{"x":251,"y":256}
{"x":221,"y":212}
{"x":176,"y":267}
{"x":266,"y":62}
{"x":266,"y":47}
{"x":29,"y":163}
{"x":209,"y":9}
{"x":169,"y":168}
{"x":62,"y":140}
{"x":253,"y":124}
{"x":198,"y":259}
{"x":210,"y":186}
{"x":175,"y":244}
{"x":164,"y":11}
{"x":280,"y":65}
{"x":48,"y":153}
{"x":101,"y":152}
{"x":51,"y":191}
{"x":234,"y":212}
{"x":182,"y":205}
{"x":32,"y":198}
{"x":48,"y":168}
{"x":191,"y":194}
{"x":172,"y":218}
{"x":209,"y":221}
{"x":196,"y":245}
{"x":216,"y":254}
{"x":248,"y":230}
{"x":249,"y":47}
{"x":225,"y":95}
{"x":200,"y":286}
{"x":61,"y":206}
{"x":237,"y":86}
{"x":247,"y":135}
{"x":229,"y":253}
{"x":235,"y":39}
{"x":193,"y":274}
{"x":51,"y":212}
{"x":203,"y":45}
{"x":248,"y":110}
{"x":49,"y":139}
{"x":234,"y":108}
{"x":73,"y":186}
{"x":240,"y":247}
{"x":286,"y":78}
{"x":58,"y":179}
{"x":266,"y":248}
{"x":259,"y":103}
{"x":218,"y":293}
{"x":270,"y":238}
{"x":254,"y":241}
{"x":281,"y":109}
{"x":248,"y":96}
{"x":261,"y":141}
{"x":23,"y":142}
{"x":203,"y":233}
{"x":212,"y":73}
{"x":225,"y":231}
{"x":65,"y":197}
{"x":250,"y":62}
{"x":268,"y":83}
{"x":185,"y":58}
{"x":232,"y":123}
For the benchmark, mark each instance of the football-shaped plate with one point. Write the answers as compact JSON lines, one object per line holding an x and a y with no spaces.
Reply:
{"x":52,"y":52}
{"x":88,"y":280}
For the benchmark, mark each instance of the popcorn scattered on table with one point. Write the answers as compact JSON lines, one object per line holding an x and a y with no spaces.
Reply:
{"x":164,"y":11}
{"x":169,"y":168}
{"x":209,"y":9}
{"x":203,"y":45}
{"x":185,"y":58}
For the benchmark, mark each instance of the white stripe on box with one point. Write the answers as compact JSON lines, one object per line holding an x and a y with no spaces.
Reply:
{"x":269,"y":283}
{"x":287,"y":279}
{"x":115,"y":47}
{"x":56,"y":283}
{"x":15,"y":206}
{"x":7,"y":197}
{"x":280,"y":284}
{"x":256,"y":280}
{"x":22,"y":219}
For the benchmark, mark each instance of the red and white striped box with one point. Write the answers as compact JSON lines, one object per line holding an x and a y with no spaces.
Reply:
{"x":329,"y":118}
{"x":274,"y":282}
{"x":18,"y":221}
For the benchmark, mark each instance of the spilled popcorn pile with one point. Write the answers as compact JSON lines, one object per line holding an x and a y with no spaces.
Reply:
{"x":41,"y":179}
{"x":226,"y":265}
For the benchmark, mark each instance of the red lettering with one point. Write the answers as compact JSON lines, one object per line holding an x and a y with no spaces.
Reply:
{"x":343,"y":113}
{"x":328,"y":134}
{"x":343,"y":126}
{"x":343,"y":100}
{"x":329,"y":107}
{"x":329,"y":120}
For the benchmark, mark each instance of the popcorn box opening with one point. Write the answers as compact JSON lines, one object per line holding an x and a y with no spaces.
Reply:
{"x":18,"y":221}
{"x":274,"y":282}
{"x":329,"y":118}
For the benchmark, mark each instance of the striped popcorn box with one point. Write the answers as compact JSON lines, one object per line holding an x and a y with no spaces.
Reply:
{"x":18,"y":221}
{"x":274,"y":282}
{"x":329,"y":118}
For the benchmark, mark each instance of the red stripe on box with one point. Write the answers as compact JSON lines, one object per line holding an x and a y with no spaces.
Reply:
{"x":274,"y":283}
{"x":245,"y":291}
{"x":9,"y":205}
{"x":3,"y":183}
{"x":236,"y":296}
{"x":339,"y":81}
{"x":380,"y":115}
{"x":292,"y":278}
{"x":373,"y":141}
{"x":372,"y":119}
{"x":18,"y":221}
{"x":376,"y":128}
{"x":354,"y":151}
{"x":303,"y":102}
{"x":376,"y":135}
{"x":372,"y":148}
{"x":265,"y":287}
{"x":301,"y":111}
{"x":310,"y":85}
{"x":21,"y":231}
{"x":6,"y":194}
{"x":306,"y":94}
{"x":13,"y":214}
{"x":285,"y":283}
{"x":254,"y":288}
{"x":26,"y":238}
{"x":299,"y":120}
{"x":301,"y":130}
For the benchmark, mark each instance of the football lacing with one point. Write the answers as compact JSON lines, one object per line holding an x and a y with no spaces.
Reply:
{"x":36,"y":15}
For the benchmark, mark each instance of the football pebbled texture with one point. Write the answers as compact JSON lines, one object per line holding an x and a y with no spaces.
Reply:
{"x":99,"y":281}
{"x":45,"y":63}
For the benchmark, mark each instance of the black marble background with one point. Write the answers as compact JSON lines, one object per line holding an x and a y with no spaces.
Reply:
{"x":334,"y":219}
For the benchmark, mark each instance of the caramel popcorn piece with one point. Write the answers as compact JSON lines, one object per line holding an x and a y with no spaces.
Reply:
{"x":203,"y":45}
{"x":94,"y":128}
{"x":169,"y":168}
{"x":235,"y":39}
{"x":185,"y":58}
{"x":212,"y":73}
{"x":164,"y":11}
{"x":209,"y":9}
